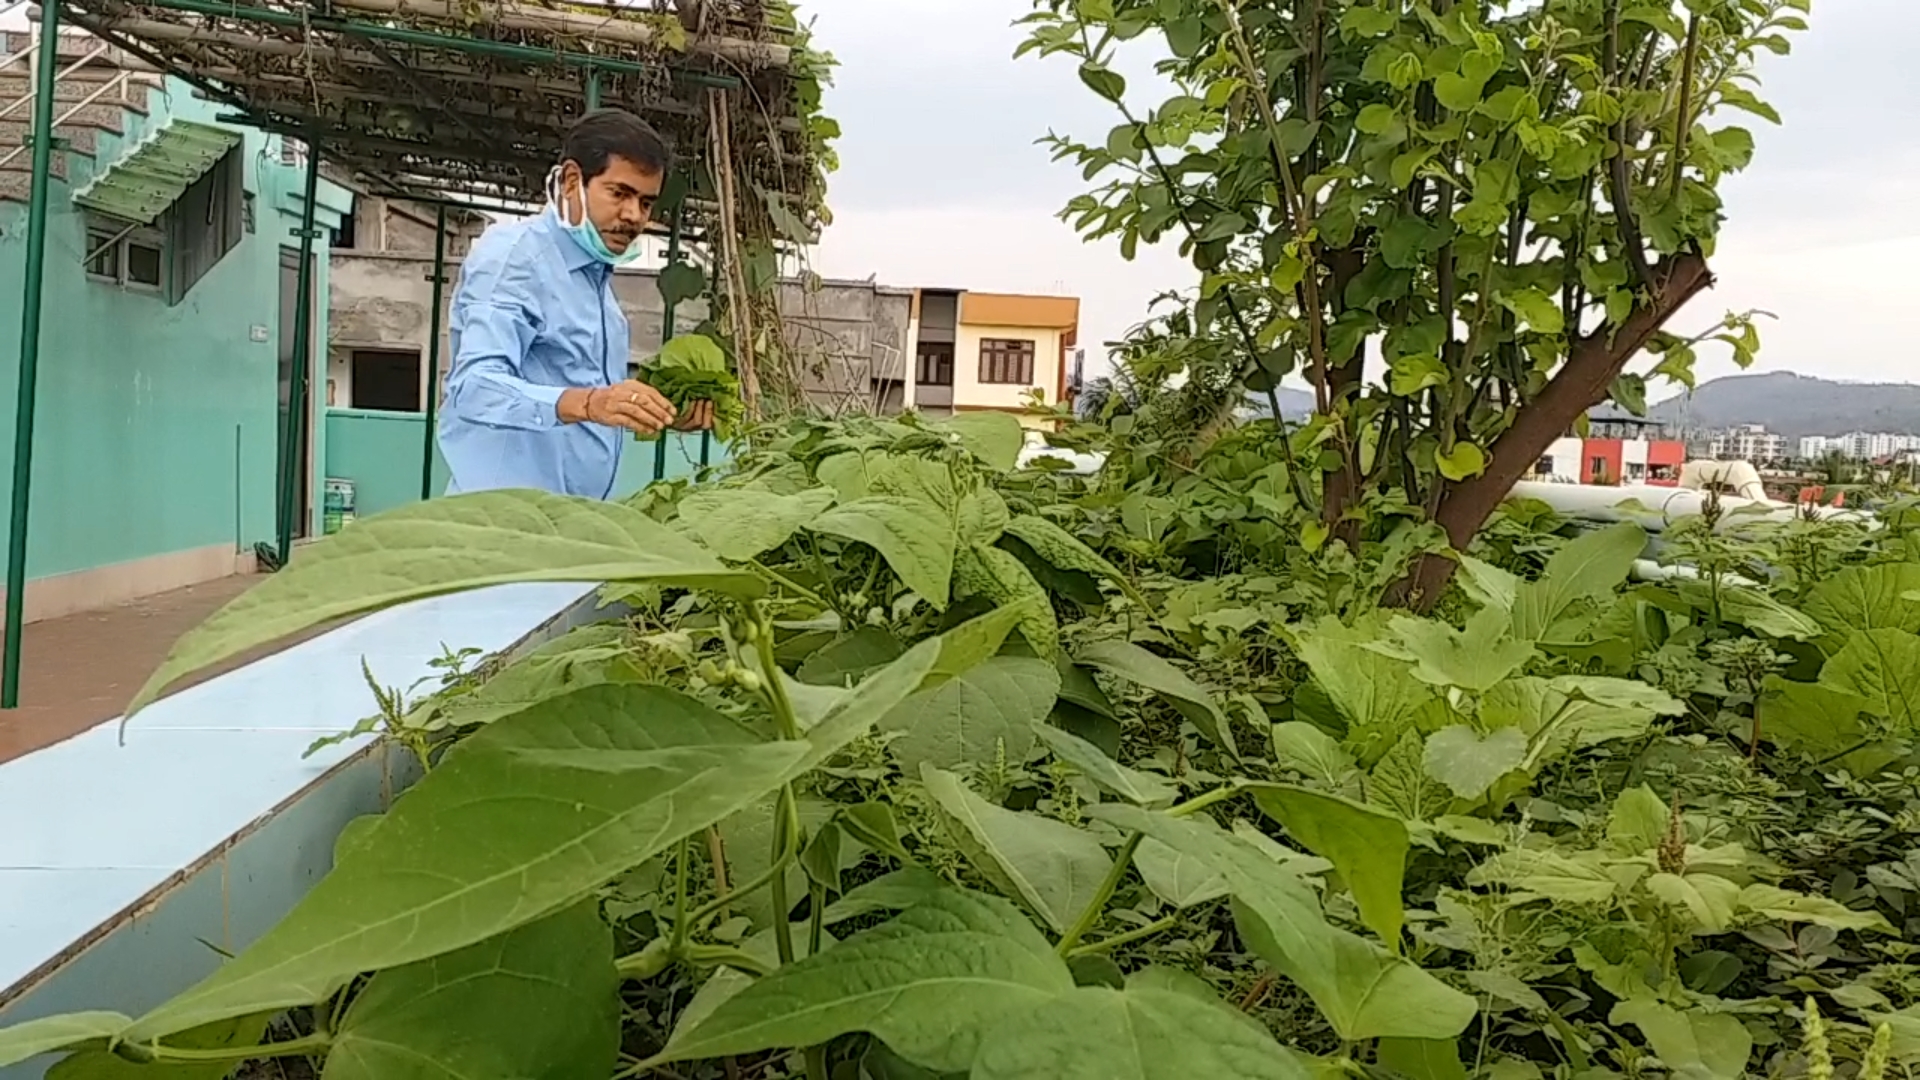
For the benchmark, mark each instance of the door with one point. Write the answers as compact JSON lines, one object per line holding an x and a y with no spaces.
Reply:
{"x":303,"y":478}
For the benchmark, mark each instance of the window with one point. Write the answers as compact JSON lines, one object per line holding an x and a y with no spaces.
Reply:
{"x":935,"y":364}
{"x":1544,"y":467}
{"x":206,"y":222}
{"x":387,"y":379}
{"x":1007,"y":361}
{"x":346,"y":237}
{"x":128,"y":256}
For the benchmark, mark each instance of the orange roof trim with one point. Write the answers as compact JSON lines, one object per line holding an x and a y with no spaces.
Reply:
{"x":1009,"y":309}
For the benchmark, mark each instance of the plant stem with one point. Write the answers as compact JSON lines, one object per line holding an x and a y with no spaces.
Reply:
{"x":1128,"y":938}
{"x":719,"y":903}
{"x":680,"y":894}
{"x":1100,"y":897}
{"x":305,"y":1046}
{"x":1201,"y":802}
{"x":784,"y":846}
{"x":789,"y":584}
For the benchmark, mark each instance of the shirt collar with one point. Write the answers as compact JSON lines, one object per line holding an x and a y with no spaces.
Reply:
{"x":572,"y":254}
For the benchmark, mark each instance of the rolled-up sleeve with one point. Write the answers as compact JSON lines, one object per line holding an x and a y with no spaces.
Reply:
{"x":495,"y":316}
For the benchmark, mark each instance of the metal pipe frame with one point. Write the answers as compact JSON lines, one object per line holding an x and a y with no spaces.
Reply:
{"x":439,"y":279}
{"x":293,"y":436}
{"x":45,"y":70}
{"x":667,"y":314}
{"x":425,"y":39}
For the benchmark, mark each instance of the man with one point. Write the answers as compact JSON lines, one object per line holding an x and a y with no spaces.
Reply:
{"x":538,"y":394}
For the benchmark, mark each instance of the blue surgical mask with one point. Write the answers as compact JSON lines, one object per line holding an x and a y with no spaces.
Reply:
{"x":584,"y":233}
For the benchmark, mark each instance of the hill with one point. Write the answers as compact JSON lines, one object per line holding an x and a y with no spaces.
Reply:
{"x":1794,"y":405}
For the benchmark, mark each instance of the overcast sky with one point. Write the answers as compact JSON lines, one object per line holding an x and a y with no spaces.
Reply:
{"x":942,"y":184}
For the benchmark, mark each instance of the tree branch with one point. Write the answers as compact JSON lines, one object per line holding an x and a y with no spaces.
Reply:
{"x":1620,"y":186}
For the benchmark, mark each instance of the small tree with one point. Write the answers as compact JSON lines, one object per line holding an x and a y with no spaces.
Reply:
{"x":1502,"y":202}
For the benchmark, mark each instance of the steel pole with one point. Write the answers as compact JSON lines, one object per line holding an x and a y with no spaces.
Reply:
{"x":593,"y":89}
{"x":439,"y":280}
{"x":295,"y":434}
{"x":48,"y":62}
{"x":667,"y":314}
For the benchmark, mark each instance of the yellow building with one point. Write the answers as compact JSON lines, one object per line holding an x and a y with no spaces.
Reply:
{"x":977,"y":351}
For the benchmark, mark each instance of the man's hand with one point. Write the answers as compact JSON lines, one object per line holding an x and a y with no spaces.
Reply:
{"x":631,"y":404}
{"x":698,"y":417}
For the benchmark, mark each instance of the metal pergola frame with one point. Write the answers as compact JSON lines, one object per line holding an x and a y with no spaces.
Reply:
{"x":449,"y":147}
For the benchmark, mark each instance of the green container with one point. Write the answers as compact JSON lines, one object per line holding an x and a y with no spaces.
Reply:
{"x":337,"y":510}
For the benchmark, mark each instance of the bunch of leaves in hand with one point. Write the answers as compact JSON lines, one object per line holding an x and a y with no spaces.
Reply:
{"x":691,"y":368}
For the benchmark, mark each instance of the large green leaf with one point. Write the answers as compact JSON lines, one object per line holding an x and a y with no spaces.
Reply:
{"x":1862,"y":598}
{"x":1052,"y":867}
{"x":1882,"y":666}
{"x":1065,"y":550}
{"x":1130,"y":784}
{"x":1693,"y":1045}
{"x":914,"y":536}
{"x":446,"y":546}
{"x":1808,"y":718}
{"x":929,"y":983}
{"x":1588,"y":567}
{"x":101,"y":1063}
{"x":1364,"y":991}
{"x":1474,"y":659}
{"x":541,"y":1002}
{"x":1140,"y":1033}
{"x":521,"y":820}
{"x":1376,"y":695}
{"x":740,"y":523}
{"x":973,"y":717}
{"x":993,"y":437}
{"x":1367,"y":846}
{"x":1422,"y":1059}
{"x":35,"y":1037}
{"x":586,"y":656}
{"x":1137,"y":665}
{"x":1469,"y":763}
{"x":1179,"y":879}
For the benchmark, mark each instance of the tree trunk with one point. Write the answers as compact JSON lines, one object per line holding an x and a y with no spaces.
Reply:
{"x":1581,"y":383}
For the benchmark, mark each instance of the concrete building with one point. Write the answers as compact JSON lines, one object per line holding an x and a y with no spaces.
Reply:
{"x":990,"y":351}
{"x":1614,"y":451}
{"x":166,"y":337}
{"x":1858,"y":446}
{"x":1747,"y":442}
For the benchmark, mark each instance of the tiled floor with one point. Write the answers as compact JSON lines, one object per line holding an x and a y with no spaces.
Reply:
{"x":79,"y":670}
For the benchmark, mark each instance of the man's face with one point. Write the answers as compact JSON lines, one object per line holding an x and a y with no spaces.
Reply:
{"x":619,"y":200}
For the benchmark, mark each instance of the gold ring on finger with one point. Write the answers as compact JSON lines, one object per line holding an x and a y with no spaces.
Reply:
{"x":633,"y":399}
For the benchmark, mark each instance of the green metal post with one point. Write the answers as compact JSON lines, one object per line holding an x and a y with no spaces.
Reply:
{"x":439,"y":280}
{"x":48,"y":62}
{"x":666,"y":317}
{"x":593,"y":89}
{"x":295,"y":433}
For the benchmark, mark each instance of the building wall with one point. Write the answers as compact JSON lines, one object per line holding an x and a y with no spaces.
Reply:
{"x":970,"y":393}
{"x":156,"y":428}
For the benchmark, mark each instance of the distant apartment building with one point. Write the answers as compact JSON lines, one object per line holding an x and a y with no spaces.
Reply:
{"x":1747,"y":442}
{"x":1614,"y":451}
{"x":1859,"y":445}
{"x":979,"y":351}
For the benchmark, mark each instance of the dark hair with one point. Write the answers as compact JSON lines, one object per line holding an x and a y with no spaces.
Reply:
{"x":604,"y":134}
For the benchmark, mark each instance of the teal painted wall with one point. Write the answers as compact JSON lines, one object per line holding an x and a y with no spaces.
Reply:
{"x":156,"y":424}
{"x":380,"y":453}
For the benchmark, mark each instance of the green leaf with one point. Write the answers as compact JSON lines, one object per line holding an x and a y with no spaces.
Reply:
{"x":974,"y":716}
{"x":1588,"y":567}
{"x":1400,"y":783}
{"x":22,"y":1042}
{"x":1376,"y":694}
{"x":1137,"y":665}
{"x":1473,"y":659}
{"x":540,"y":1002}
{"x":1638,"y":821}
{"x":1539,"y":311}
{"x":1367,"y":846}
{"x":1780,"y":905}
{"x":1132,"y":785}
{"x":1866,"y":598}
{"x":1470,"y":764}
{"x":1530,"y":874}
{"x":1299,"y":745}
{"x":681,"y":281}
{"x":695,"y":352}
{"x":915,"y":537}
{"x":1463,"y":461}
{"x":850,"y":657}
{"x":1422,"y":1059}
{"x":972,"y":643}
{"x":999,"y":576}
{"x":446,"y":546}
{"x":1103,"y":81}
{"x":1817,"y":721}
{"x":1364,"y":991}
{"x":993,"y":437}
{"x":1066,"y":551}
{"x":1709,"y":899}
{"x":1054,"y":868}
{"x":929,"y":984}
{"x":1096,"y":1033}
{"x":1882,"y":666}
{"x":740,"y":523}
{"x":1693,"y":1045}
{"x":520,"y":820}
{"x":105,"y":1064}
{"x":1223,"y":225}
{"x":1179,"y":879}
{"x":873,"y":824}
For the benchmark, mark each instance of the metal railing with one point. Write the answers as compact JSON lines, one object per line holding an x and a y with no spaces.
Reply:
{"x":27,"y":98}
{"x":115,"y":83}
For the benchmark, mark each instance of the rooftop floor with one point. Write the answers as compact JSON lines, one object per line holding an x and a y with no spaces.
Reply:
{"x":80,"y":670}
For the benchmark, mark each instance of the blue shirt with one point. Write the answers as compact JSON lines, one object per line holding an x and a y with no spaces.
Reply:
{"x":533,"y":314}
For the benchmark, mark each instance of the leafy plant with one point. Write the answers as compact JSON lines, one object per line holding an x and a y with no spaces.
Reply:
{"x":691,"y":368}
